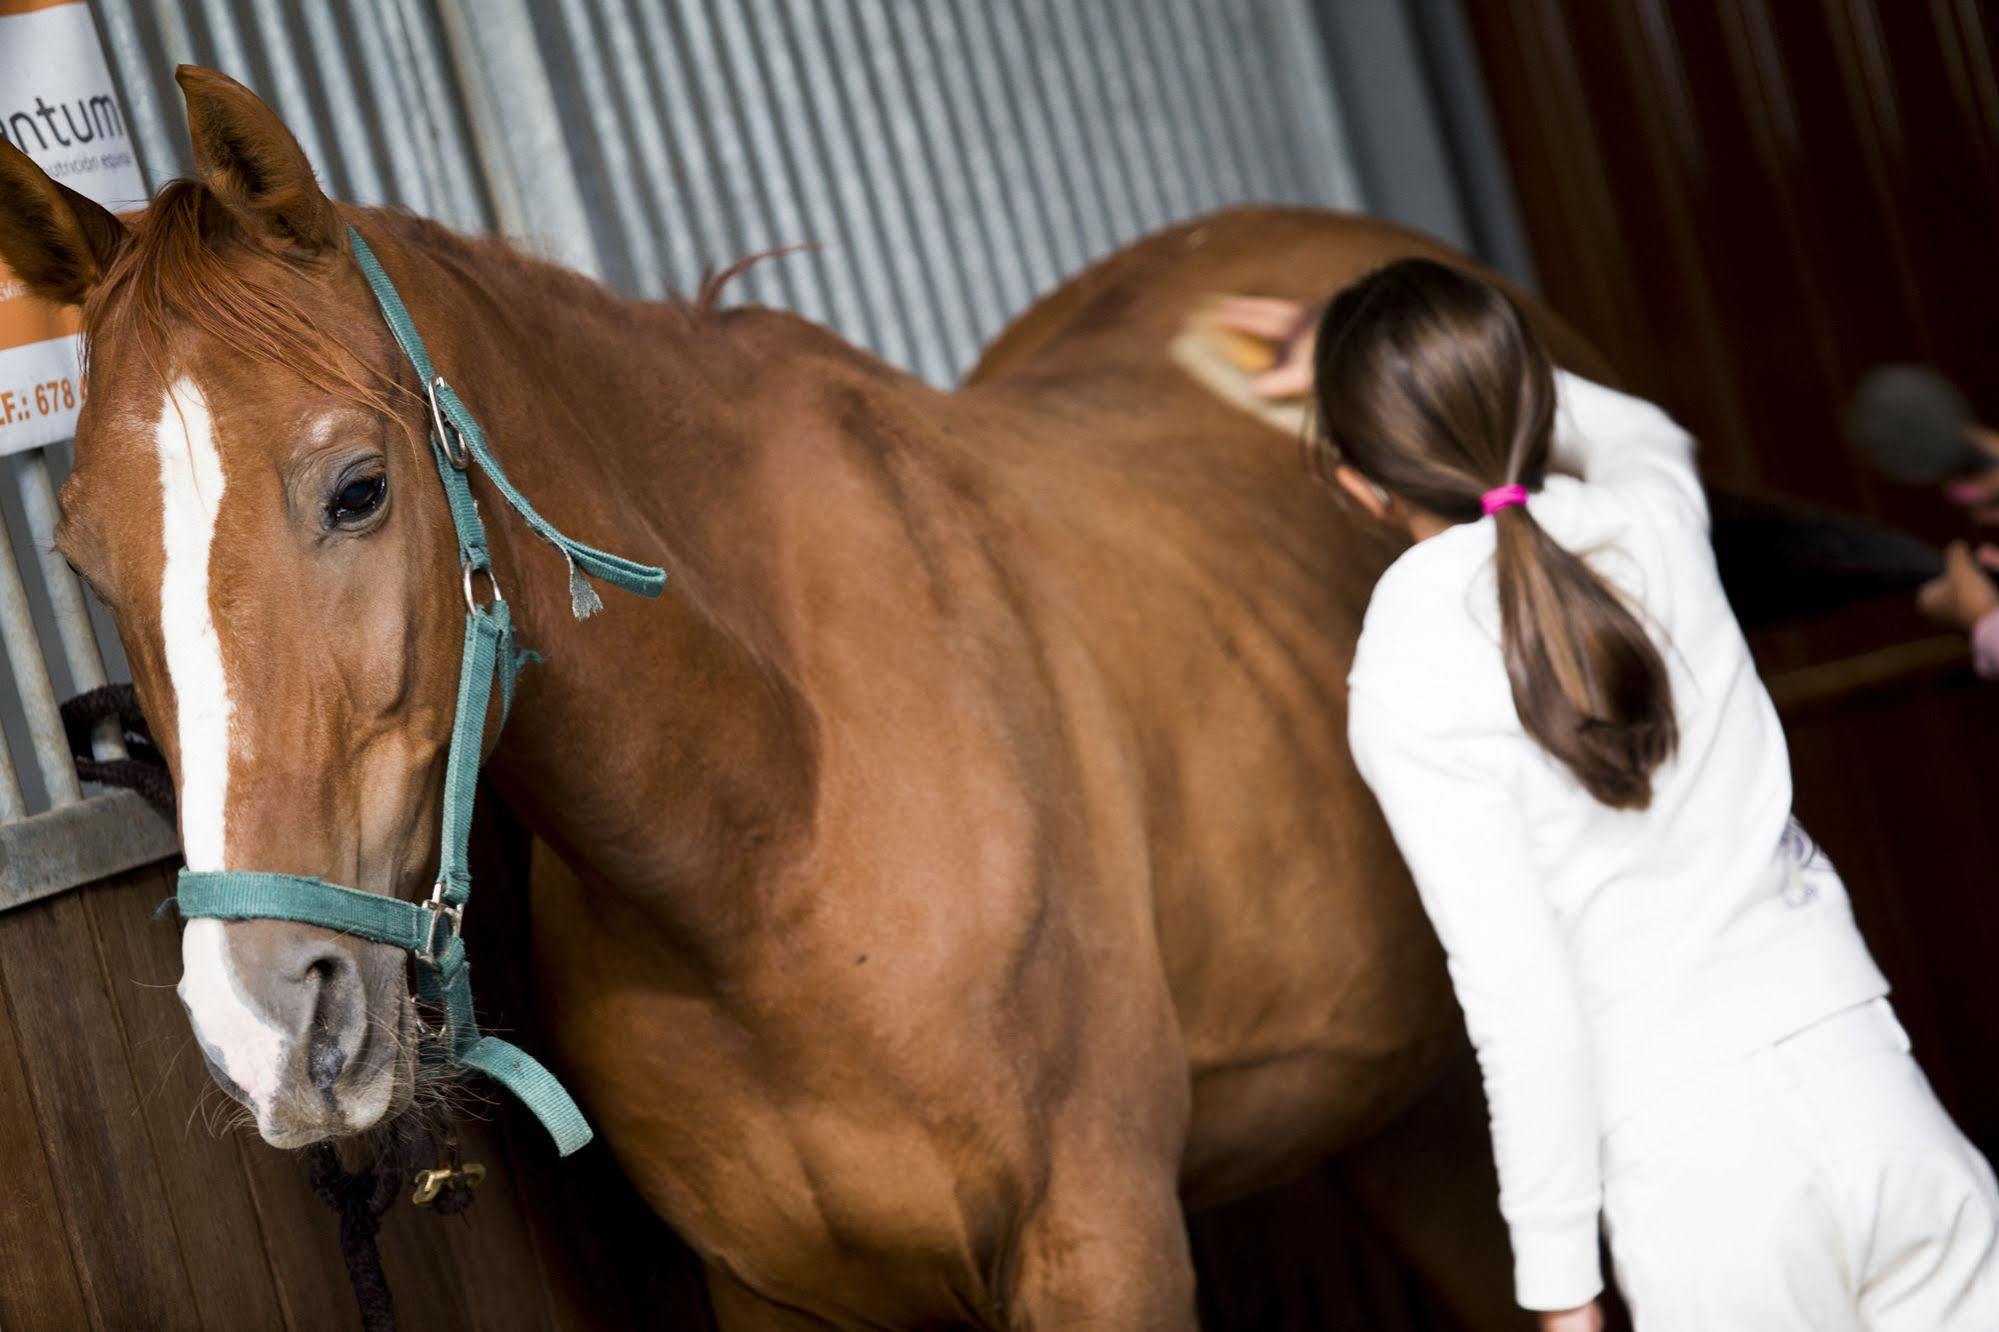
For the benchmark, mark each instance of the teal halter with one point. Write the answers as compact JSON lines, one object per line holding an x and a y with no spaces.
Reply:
{"x":429,"y":931}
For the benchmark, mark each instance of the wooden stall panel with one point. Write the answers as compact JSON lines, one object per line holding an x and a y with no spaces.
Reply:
{"x":109,"y":1193}
{"x":127,"y":1200}
{"x":38,"y":1285}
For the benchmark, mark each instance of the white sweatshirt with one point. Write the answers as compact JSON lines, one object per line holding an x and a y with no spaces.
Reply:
{"x":1599,"y":956}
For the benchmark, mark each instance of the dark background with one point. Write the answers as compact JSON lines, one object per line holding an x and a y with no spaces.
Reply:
{"x":1747,"y":203}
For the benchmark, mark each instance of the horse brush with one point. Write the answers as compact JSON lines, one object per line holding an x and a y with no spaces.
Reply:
{"x":1224,"y":361}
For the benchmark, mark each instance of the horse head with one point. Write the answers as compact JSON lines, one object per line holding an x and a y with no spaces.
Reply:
{"x":254,"y":499}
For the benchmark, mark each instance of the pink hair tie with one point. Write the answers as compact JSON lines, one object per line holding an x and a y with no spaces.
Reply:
{"x":1504,"y":497}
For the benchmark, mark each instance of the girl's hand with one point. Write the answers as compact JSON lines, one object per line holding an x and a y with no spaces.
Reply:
{"x":1589,"y":1318}
{"x":1964,"y":593}
{"x":1287,"y":324}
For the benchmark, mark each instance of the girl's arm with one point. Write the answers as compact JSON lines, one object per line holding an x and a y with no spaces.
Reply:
{"x":1457,"y":828}
{"x":1613,"y":439}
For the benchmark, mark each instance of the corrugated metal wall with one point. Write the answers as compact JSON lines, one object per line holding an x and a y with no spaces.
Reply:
{"x":951,"y":158}
{"x":369,"y":88}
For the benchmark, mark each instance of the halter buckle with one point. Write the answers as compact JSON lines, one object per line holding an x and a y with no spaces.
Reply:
{"x":444,"y":430}
{"x":440,"y":911}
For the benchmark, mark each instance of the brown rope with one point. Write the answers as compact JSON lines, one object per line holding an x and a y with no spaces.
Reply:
{"x":145,"y":771}
{"x":360,"y":1198}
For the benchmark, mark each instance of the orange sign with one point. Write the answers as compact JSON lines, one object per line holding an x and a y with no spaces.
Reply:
{"x":24,"y":319}
{"x":58,"y":105}
{"x":28,"y":6}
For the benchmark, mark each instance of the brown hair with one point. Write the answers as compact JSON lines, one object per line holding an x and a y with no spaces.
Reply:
{"x":1433,"y":387}
{"x":178,"y":270}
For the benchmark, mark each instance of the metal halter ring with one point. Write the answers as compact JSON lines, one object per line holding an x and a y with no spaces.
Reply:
{"x":440,"y":911}
{"x":445,"y":431}
{"x":492,"y":580}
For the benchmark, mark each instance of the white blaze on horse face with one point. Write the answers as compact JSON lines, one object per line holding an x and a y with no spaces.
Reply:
{"x":191,"y":497}
{"x":236,"y":1034}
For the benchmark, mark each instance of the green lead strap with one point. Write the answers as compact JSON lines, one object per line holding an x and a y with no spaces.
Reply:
{"x":429,"y":931}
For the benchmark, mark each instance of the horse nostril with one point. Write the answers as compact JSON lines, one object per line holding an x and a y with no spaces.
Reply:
{"x":323,"y":969}
{"x":323,"y":1058}
{"x":332,"y":979}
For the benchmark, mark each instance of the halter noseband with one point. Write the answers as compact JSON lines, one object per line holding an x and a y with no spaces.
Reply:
{"x":429,"y":931}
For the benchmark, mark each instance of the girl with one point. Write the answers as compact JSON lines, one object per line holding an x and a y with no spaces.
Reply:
{"x":1677,"y":1021}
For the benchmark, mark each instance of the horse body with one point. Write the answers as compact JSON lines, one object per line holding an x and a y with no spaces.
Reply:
{"x":1080,"y":889}
{"x":959,"y":866}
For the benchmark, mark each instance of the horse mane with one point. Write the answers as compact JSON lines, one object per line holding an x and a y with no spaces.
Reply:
{"x":175,"y":273}
{"x":709,"y":294}
{"x":182,"y":270}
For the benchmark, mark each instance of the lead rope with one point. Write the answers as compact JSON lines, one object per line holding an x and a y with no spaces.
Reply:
{"x":362,"y":1197}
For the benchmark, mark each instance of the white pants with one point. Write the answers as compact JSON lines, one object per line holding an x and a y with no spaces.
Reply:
{"x":1815,"y":1185}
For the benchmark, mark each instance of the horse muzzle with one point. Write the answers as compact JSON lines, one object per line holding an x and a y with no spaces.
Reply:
{"x":311,"y":1031}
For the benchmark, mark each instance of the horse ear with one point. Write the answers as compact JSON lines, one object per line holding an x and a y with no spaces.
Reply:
{"x":56,"y":240}
{"x":253,"y":166}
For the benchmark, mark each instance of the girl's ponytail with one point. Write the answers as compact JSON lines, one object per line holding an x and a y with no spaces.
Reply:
{"x":1587,"y":681}
{"x":1432,"y":386}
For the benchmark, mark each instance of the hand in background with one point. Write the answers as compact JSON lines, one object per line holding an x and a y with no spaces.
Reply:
{"x":1964,"y":593}
{"x":1980,"y":494}
{"x":1290,"y":325}
{"x":1589,"y":1318}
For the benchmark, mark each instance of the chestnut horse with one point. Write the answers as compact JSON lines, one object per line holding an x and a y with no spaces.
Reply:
{"x":962,"y":864}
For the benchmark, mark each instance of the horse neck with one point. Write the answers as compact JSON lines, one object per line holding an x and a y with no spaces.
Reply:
{"x":659,"y":746}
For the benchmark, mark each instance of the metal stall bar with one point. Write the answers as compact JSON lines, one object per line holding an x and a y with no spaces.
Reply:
{"x":804,"y":145}
{"x":981,"y":156}
{"x":355,"y":167}
{"x":76,"y":840}
{"x":13,"y":805}
{"x":31,"y":679}
{"x":646,"y":84}
{"x":79,"y":641}
{"x":606,"y":119}
{"x":956,"y":156}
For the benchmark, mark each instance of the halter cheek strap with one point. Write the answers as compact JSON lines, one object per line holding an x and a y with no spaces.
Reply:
{"x":429,"y":931}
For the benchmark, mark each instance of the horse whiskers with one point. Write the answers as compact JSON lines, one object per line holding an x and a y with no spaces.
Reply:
{"x":442,"y":1094}
{"x":439,"y":1093}
{"x":159,"y":1086}
{"x":219,"y":1114}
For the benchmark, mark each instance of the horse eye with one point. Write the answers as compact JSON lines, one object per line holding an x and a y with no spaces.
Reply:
{"x":357,"y":499}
